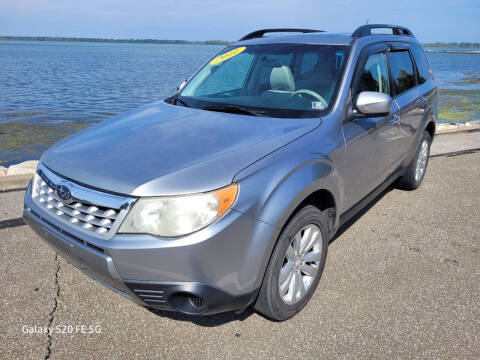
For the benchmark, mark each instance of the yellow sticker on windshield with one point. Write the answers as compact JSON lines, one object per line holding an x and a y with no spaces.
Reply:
{"x":227,"y":55}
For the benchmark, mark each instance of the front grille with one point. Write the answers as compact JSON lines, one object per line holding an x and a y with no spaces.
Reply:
{"x":95,"y":219}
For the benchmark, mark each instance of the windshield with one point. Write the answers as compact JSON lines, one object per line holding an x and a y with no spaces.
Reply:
{"x":280,"y":80}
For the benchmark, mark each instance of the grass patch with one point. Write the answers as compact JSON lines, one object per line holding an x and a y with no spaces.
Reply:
{"x":26,"y":137}
{"x":459,"y":105}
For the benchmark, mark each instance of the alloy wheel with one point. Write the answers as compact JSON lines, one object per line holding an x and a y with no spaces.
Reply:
{"x":301,"y":264}
{"x":422,"y":161}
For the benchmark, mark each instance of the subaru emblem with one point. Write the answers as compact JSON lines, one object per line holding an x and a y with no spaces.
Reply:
{"x":64,"y":193}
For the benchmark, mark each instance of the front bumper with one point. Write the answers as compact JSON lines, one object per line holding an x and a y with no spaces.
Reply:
{"x":217,"y":269}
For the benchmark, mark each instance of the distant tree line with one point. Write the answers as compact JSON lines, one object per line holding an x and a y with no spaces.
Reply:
{"x":453,"y":44}
{"x":139,"y":41}
{"x":207,"y":42}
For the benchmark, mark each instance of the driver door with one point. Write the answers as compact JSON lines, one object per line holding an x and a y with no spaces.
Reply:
{"x":367,"y":139}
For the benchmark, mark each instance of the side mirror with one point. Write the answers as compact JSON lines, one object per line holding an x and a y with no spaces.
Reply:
{"x":181,"y":86}
{"x":373,"y":103}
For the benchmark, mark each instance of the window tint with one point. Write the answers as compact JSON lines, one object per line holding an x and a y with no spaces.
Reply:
{"x":309,"y":60}
{"x":270,"y":61}
{"x":401,"y":68}
{"x":422,"y":64}
{"x":375,"y":75}
{"x":268,"y":77}
{"x":228,"y":77}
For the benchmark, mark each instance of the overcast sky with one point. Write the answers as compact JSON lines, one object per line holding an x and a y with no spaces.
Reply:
{"x":430,"y":20}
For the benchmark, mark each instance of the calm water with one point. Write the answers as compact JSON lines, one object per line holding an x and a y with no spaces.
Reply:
{"x":456,"y":71}
{"x":49,"y":90}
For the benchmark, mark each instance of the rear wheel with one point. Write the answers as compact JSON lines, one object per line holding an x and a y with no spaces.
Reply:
{"x":296,"y":265}
{"x":415,"y":172}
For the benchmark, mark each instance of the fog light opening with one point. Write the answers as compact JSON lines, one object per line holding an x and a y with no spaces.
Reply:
{"x":196,"y":301}
{"x":188,"y":303}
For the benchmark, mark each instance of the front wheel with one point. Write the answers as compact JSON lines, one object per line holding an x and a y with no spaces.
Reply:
{"x":415,"y":172}
{"x":296,"y":265}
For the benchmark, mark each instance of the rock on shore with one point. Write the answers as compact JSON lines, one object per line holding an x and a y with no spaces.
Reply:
{"x":24,"y":168}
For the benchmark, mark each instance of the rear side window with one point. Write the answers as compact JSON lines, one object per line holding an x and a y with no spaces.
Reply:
{"x":374,"y":76}
{"x":422,"y":64}
{"x":401,"y":69}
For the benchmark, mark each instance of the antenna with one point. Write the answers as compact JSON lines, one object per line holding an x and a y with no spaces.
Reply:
{"x":366,"y":22}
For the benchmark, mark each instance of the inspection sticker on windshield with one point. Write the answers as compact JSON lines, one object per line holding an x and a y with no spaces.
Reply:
{"x":227,"y":55}
{"x":319,"y":105}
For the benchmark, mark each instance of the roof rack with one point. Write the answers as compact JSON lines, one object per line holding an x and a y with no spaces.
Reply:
{"x":260,"y":33}
{"x":366,"y":30}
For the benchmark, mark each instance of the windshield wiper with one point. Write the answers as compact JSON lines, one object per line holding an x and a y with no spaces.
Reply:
{"x":176,"y":100}
{"x":236,"y":110}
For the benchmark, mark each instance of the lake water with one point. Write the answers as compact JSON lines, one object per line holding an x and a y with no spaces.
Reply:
{"x":49,"y":90}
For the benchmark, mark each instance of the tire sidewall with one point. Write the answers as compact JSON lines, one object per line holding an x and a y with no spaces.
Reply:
{"x":425,"y":136}
{"x":308,"y":215}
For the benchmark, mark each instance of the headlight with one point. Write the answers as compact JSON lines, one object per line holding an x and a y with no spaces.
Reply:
{"x":178,"y":215}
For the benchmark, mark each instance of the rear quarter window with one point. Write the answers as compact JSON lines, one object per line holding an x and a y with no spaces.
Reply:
{"x":402,"y":71}
{"x":422,"y":64}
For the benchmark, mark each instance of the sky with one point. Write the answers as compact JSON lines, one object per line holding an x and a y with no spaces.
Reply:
{"x":430,"y":20}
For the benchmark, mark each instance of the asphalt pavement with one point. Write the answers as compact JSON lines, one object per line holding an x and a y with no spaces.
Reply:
{"x":401,"y":282}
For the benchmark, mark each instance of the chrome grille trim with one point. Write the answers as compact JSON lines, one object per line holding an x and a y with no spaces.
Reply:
{"x":92,"y":212}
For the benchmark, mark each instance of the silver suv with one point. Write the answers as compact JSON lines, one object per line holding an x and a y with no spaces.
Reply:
{"x":227,"y":193}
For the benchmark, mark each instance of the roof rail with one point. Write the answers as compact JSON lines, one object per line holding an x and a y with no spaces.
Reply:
{"x":366,"y":30}
{"x":260,"y":33}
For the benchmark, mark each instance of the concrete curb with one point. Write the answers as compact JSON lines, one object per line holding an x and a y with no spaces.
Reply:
{"x":455,"y":128}
{"x":17,"y":177}
{"x":14,"y":182}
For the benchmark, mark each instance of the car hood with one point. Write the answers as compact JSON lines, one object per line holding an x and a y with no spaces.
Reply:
{"x":162,"y":149}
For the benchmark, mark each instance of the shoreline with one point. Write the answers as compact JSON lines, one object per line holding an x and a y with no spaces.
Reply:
{"x":121,"y":41}
{"x":452,"y":51}
{"x":17,"y":175}
{"x":430,"y":47}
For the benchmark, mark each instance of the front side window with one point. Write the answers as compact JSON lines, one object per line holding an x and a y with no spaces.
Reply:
{"x":375,"y":75}
{"x":279,"y":80}
{"x":401,"y":68}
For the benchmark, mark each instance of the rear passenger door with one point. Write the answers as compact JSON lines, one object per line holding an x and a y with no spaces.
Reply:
{"x":406,"y":100}
{"x":426,"y":85}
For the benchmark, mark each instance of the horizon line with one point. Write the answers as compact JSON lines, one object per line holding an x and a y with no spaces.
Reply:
{"x":125,"y":40}
{"x":172,"y":41}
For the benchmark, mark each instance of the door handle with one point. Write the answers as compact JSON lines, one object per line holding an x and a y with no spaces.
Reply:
{"x":394,"y":119}
{"x":423,"y":102}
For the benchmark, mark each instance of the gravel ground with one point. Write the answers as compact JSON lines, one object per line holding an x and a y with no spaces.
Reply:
{"x":402,"y":281}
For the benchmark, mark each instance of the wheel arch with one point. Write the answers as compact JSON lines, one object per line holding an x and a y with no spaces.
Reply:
{"x":322,"y":199}
{"x":313,"y":183}
{"x":320,"y":193}
{"x":430,"y":128}
{"x":286,"y":188}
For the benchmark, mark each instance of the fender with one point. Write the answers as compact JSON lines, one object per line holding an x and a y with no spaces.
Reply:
{"x":280,"y":198}
{"x":300,"y":183}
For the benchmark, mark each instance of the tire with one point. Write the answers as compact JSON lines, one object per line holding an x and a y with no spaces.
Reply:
{"x":411,"y":180}
{"x":280,"y":306}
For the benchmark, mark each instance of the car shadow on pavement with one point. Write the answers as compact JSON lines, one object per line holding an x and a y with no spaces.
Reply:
{"x":205,"y":320}
{"x":362,"y":212}
{"x":224,"y":318}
